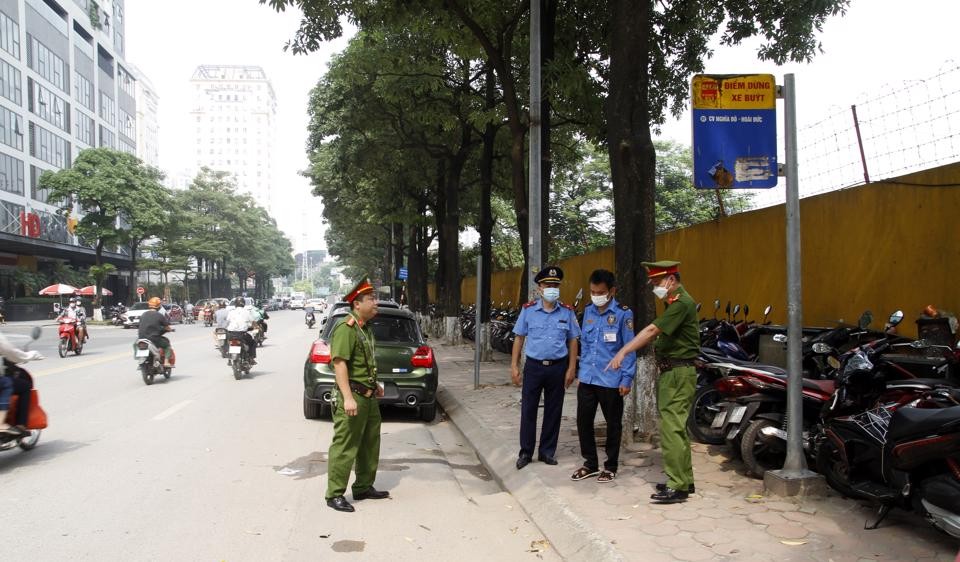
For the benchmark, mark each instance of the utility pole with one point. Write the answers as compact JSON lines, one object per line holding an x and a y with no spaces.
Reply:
{"x":533,"y":204}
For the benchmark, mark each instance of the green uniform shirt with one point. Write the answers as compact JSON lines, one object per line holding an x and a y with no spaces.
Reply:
{"x":679,"y":328}
{"x":355,"y":345}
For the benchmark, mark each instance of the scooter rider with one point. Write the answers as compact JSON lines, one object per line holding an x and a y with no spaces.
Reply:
{"x":71,"y":313}
{"x":309,"y":317}
{"x":239,"y":322}
{"x":153,"y":326}
{"x":10,"y":385}
{"x":81,"y":318}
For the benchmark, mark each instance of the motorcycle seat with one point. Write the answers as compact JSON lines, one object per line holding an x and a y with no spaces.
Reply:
{"x":716,"y":358}
{"x":919,"y":384}
{"x":912,"y":422}
{"x":817,"y":385}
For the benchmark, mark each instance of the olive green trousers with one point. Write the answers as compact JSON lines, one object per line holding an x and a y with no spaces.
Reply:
{"x":675,"y":391}
{"x":356,"y":446}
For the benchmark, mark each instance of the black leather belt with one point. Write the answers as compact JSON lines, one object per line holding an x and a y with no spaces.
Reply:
{"x":547,"y":362}
{"x":668,"y":363}
{"x":360,"y":389}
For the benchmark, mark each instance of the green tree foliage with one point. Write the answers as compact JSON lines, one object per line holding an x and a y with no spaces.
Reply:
{"x":121,"y":199}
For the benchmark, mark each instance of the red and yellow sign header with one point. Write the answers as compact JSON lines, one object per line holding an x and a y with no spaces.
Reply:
{"x":734,"y":91}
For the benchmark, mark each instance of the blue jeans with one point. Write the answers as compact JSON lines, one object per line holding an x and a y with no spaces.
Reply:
{"x":6,"y":390}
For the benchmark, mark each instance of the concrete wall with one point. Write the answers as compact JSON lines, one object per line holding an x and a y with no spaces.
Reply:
{"x":883,"y":246}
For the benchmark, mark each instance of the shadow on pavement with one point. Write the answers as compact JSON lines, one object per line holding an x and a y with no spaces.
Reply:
{"x":44,"y":451}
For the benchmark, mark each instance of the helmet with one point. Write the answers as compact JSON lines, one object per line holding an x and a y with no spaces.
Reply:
{"x":223,"y":304}
{"x":239,"y":303}
{"x":154,"y":302}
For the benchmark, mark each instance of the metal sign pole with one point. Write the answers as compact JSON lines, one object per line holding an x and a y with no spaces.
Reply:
{"x":533,"y":204}
{"x":477,"y":332}
{"x":795,"y":458}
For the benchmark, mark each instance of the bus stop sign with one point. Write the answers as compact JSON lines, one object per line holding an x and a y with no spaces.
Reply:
{"x":734,"y":131}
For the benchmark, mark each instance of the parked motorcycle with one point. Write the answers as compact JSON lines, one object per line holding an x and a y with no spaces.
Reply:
{"x":239,"y":356}
{"x":902,"y":454}
{"x":150,"y":361}
{"x":69,"y":339}
{"x":37,"y":420}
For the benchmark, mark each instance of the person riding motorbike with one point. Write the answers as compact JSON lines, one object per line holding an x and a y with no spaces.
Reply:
{"x":309,"y":317}
{"x":71,"y":312}
{"x":239,"y":322}
{"x":10,"y":385}
{"x":256,"y":318}
{"x":81,"y":319}
{"x":220,"y":320}
{"x":153,"y":326}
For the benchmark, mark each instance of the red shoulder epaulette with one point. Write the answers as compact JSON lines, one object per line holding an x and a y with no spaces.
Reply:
{"x":529,"y":304}
{"x":673,"y":299}
{"x":350,"y":321}
{"x":567,"y":306}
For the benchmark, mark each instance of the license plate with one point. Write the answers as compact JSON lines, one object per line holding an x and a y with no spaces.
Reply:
{"x":719,"y":419}
{"x":737,"y":414}
{"x":234,"y":349}
{"x":733,"y":432}
{"x":221,"y":337}
{"x":142,"y":352}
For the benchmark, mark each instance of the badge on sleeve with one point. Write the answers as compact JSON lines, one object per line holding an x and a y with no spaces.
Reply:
{"x":630,"y":323}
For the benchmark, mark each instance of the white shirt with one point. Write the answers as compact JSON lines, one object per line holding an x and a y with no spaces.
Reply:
{"x":238,"y":320}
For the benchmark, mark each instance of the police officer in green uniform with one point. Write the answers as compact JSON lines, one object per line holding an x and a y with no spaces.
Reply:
{"x":356,"y":413}
{"x":677,"y":344}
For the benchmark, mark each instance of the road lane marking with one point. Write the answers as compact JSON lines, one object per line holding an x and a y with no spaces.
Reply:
{"x":72,"y":364}
{"x":171,"y":410}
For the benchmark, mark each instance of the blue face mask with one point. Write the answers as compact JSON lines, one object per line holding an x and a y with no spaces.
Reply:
{"x":551,"y":294}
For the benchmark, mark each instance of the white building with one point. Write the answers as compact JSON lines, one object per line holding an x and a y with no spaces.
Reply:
{"x":233,"y":121}
{"x":64,"y":87}
{"x":148,"y":124}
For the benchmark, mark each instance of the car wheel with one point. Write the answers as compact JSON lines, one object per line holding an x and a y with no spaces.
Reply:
{"x":428,"y":412}
{"x":312,"y":410}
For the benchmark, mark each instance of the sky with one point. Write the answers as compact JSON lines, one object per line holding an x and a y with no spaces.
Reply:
{"x":873,"y":49}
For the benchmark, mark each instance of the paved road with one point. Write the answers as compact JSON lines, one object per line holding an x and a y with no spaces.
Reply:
{"x":204,"y":467}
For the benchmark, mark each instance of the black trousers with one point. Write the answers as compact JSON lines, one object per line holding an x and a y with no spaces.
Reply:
{"x":548,"y":381}
{"x":21,"y":388}
{"x":247,"y":340}
{"x":589,"y":396}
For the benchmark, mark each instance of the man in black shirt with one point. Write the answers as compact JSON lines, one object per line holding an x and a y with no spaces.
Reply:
{"x":152,"y":327}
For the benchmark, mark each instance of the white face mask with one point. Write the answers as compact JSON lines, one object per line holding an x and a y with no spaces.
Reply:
{"x":660,"y":292}
{"x":551,"y":294}
{"x":600,"y":300}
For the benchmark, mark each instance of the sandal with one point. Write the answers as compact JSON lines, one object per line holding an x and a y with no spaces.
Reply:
{"x":606,"y":476}
{"x":583,"y":473}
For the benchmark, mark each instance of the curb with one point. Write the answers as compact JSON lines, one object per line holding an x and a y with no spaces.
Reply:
{"x":571,"y":537}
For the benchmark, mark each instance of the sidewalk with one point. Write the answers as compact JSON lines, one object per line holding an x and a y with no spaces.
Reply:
{"x":728,"y":518}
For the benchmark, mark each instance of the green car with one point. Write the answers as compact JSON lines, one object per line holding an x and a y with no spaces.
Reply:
{"x":405,"y":365}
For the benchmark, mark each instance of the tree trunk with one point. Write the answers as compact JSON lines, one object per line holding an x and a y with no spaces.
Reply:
{"x":632,"y":168}
{"x":133,"y":270}
{"x":450,"y":255}
{"x":440,"y":282}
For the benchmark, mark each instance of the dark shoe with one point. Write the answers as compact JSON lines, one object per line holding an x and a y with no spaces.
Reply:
{"x":663,"y":488}
{"x":547,"y":460}
{"x":371,"y":493}
{"x":340,"y":503}
{"x":669,"y":496}
{"x":522,"y":462}
{"x":13,"y":431}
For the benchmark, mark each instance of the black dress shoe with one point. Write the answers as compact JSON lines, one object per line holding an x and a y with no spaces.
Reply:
{"x":663,"y":488}
{"x":371,"y":493}
{"x":669,"y":496}
{"x":547,"y":460}
{"x":522,"y":462}
{"x":340,"y":503}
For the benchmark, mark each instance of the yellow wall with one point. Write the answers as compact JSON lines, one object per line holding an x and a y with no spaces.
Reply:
{"x":883,"y":246}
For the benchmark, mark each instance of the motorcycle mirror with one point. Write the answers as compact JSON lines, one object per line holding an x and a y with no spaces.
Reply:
{"x":766,"y":311}
{"x":895,"y":318}
{"x":919,"y":344}
{"x":746,"y":310}
{"x":728,"y":308}
{"x":736,"y":310}
{"x":35,"y":333}
{"x":780,"y":338}
{"x":865,"y":319}
{"x":833,"y":362}
{"x":822,"y":348}
{"x":716,"y":304}
{"x":698,"y":306}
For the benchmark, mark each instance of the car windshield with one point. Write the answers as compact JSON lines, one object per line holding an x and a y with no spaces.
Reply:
{"x":139,"y":306}
{"x":386,"y":329}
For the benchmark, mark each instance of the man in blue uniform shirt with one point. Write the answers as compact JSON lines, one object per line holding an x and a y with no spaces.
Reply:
{"x":549,"y":329}
{"x":607,"y":327}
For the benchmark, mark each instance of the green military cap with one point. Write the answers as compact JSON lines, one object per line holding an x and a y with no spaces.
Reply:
{"x":663,"y":267}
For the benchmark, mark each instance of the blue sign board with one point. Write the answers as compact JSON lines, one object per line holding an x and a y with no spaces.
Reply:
{"x":402,"y":274}
{"x":734,"y":131}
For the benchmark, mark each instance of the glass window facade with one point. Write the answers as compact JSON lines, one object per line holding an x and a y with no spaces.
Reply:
{"x":107,"y":138}
{"x":83,"y":90}
{"x":49,"y":147}
{"x":48,"y":106}
{"x":9,"y":35}
{"x":45,"y":63}
{"x":10,"y":85}
{"x":11,"y":128}
{"x":108,"y":108}
{"x":11,"y":174}
{"x":83,"y":127}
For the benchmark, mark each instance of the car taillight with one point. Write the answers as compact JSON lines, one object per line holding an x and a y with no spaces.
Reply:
{"x":422,"y":357}
{"x":320,"y":352}
{"x":142,"y":345}
{"x":234,"y":342}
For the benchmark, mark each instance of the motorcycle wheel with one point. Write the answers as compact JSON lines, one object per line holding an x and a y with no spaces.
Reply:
{"x":78,"y":349}
{"x":237,"y":372}
{"x":701,"y":417}
{"x":761,"y":452}
{"x":62,"y":348}
{"x":30,"y":441}
{"x":833,"y":467}
{"x":147,"y":375}
{"x":167,"y":371}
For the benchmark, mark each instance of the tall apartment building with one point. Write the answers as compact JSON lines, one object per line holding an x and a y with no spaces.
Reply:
{"x":64,"y":86}
{"x":233,"y":121}
{"x":148,"y":123}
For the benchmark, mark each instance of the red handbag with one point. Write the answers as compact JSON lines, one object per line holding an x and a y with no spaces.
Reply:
{"x":37,"y":418}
